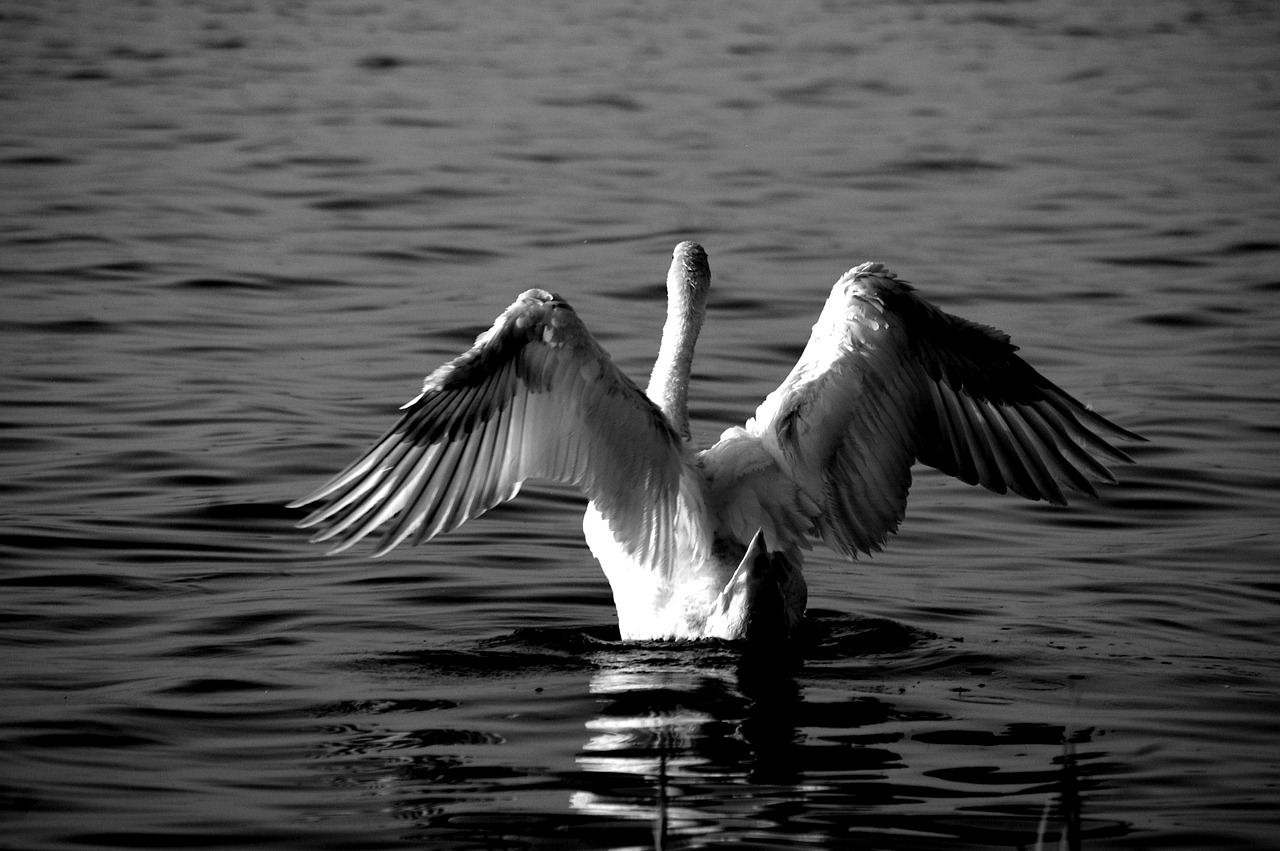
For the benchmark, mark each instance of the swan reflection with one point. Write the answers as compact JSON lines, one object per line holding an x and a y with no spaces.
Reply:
{"x":684,"y":743}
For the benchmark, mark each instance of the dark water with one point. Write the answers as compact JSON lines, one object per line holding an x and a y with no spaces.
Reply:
{"x":236,"y":234}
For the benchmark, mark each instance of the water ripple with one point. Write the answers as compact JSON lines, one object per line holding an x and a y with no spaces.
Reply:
{"x":235,"y":242}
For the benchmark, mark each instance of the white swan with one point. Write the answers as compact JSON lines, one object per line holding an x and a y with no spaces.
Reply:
{"x":707,"y":544}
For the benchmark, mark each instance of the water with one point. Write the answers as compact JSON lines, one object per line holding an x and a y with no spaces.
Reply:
{"x":236,"y":235}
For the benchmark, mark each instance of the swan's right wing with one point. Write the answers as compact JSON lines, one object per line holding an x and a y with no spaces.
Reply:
{"x":536,"y":397}
{"x":887,"y":379}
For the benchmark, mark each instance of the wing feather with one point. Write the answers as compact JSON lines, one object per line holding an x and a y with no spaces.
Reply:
{"x":950,"y":430}
{"x":1069,"y":439}
{"x":1029,"y":456}
{"x":887,"y":379}
{"x":536,"y":397}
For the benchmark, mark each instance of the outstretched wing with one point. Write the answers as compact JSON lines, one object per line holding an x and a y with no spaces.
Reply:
{"x":887,"y":379}
{"x":536,"y":397}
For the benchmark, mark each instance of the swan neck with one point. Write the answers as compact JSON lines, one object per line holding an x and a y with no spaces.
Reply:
{"x":669,"y":382}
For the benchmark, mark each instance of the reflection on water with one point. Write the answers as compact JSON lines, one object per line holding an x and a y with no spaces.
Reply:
{"x":234,"y":236}
{"x":689,"y":741}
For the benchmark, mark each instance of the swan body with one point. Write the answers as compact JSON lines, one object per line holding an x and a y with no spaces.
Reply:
{"x":709,"y":544}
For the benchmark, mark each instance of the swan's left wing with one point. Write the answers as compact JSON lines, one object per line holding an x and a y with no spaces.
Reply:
{"x":887,"y":379}
{"x":536,"y":397}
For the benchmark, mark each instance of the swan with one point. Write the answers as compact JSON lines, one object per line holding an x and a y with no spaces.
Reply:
{"x":708,"y":544}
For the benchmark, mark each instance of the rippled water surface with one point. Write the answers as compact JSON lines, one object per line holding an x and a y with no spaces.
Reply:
{"x":236,"y":235}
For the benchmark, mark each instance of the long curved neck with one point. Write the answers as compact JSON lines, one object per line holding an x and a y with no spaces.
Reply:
{"x":687,"y":285}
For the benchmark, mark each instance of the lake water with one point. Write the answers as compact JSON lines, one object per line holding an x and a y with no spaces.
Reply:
{"x":236,"y":234}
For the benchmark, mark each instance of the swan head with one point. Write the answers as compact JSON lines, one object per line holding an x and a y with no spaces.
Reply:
{"x":689,"y":280}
